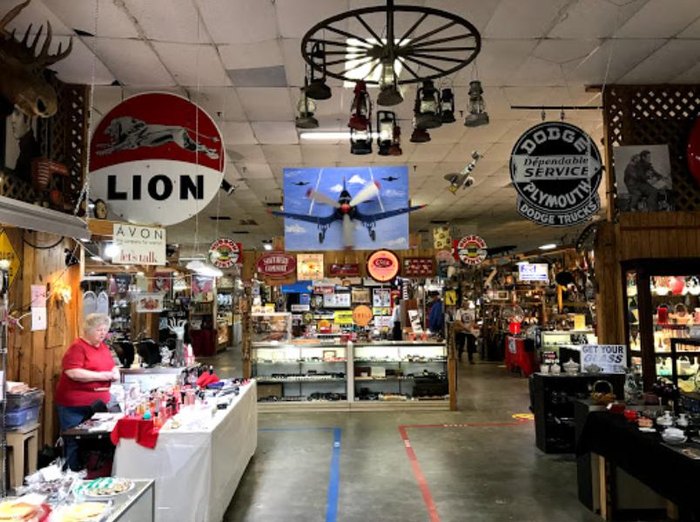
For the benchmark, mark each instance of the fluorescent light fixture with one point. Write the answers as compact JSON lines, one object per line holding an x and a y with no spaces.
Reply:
{"x":548,"y":246}
{"x":329,"y":135}
{"x":96,"y":258}
{"x":201,"y":268}
{"x":112,"y":250}
{"x":33,"y":217}
{"x":523,"y":262}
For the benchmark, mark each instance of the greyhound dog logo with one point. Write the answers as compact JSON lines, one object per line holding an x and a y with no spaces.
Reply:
{"x":128,"y":133}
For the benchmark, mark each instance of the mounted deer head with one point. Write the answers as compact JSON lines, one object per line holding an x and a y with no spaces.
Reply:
{"x":22,"y":81}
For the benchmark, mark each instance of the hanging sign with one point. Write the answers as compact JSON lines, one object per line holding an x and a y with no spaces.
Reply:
{"x":556,"y":169}
{"x":418,"y":267}
{"x":605,"y":358}
{"x":470,"y":250}
{"x":383,"y":265}
{"x":7,"y":253}
{"x":139,"y":245}
{"x":156,"y":158}
{"x":362,"y":315}
{"x":310,"y":266}
{"x":276,"y":264}
{"x":343,"y":269}
{"x":224,"y":253}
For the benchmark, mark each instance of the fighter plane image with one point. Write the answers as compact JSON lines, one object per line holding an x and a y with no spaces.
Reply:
{"x":300,"y":183}
{"x":390,"y":178}
{"x":345,"y":210}
{"x":463,"y":178}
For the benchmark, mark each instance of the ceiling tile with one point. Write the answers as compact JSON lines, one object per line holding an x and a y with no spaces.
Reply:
{"x":286,"y":154}
{"x":275,"y":133}
{"x":657,"y":19}
{"x":692,"y":31}
{"x":256,"y":171}
{"x":562,"y":50}
{"x":518,"y":19}
{"x":168,"y":20}
{"x":430,"y":152}
{"x":193,"y":65}
{"x":72,"y":68}
{"x":497,"y":61}
{"x":103,"y":18}
{"x":246,"y":153}
{"x":266,"y":103}
{"x":239,"y":21}
{"x":297,"y":17}
{"x":586,"y":19}
{"x":237,"y":133}
{"x":666,"y":63}
{"x":248,"y":55}
{"x":131,"y":61}
{"x":691,"y":75}
{"x":221,"y":103}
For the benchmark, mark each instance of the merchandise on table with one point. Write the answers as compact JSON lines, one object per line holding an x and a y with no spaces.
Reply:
{"x":103,"y":487}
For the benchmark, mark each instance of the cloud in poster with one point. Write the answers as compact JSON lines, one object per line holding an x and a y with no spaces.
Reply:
{"x":398,"y":242}
{"x":295,"y":229}
{"x":336,"y":188}
{"x":392,"y":193}
{"x":357,"y":180}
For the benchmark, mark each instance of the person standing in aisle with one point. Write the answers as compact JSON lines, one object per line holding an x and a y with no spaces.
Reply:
{"x":436,"y":316}
{"x":460,"y":330}
{"x":88,"y":371}
{"x":396,"y":332}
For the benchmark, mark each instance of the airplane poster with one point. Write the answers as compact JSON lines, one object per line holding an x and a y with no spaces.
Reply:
{"x":332,"y":208}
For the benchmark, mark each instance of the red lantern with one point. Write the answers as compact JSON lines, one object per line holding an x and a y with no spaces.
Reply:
{"x":361,"y":108}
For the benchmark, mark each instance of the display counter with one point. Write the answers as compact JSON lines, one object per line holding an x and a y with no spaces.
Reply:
{"x":137,"y":505}
{"x":313,"y":375}
{"x":196,"y":472}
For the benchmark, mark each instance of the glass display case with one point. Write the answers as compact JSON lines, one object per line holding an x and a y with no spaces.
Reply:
{"x":662,"y":303}
{"x":271,"y":326}
{"x":400,"y":371}
{"x":299,"y":372}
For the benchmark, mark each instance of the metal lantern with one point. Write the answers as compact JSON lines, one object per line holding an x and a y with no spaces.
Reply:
{"x":427,"y":107}
{"x":419,"y":135}
{"x":447,"y":106}
{"x":305,"y":112}
{"x":361,"y":108}
{"x":395,"y":149}
{"x":361,"y":141}
{"x":318,"y":90}
{"x":389,"y":92}
{"x":477,"y":109}
{"x":386,"y":123}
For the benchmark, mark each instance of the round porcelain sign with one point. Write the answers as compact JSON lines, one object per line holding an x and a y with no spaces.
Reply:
{"x":471,"y":250}
{"x":156,"y":158}
{"x":556,"y":169}
{"x":383,"y":265}
{"x":224,"y":253}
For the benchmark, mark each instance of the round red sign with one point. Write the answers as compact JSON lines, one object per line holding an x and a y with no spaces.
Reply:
{"x":276,"y":264}
{"x":383,"y":265}
{"x":471,"y":250}
{"x":156,"y":158}
{"x":224,"y":253}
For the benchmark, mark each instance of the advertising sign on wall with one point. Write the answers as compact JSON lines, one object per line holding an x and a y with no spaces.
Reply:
{"x":383,"y":265}
{"x":418,"y":267}
{"x":224,"y":253}
{"x":139,"y":245}
{"x":605,"y":358}
{"x":533,"y":272}
{"x":156,"y":158}
{"x":343,"y":269}
{"x":556,"y":169}
{"x":276,"y":264}
{"x":470,"y":250}
{"x":310,"y":266}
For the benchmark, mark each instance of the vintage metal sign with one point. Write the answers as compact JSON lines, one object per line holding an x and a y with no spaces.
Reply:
{"x":556,"y":169}
{"x":418,"y":267}
{"x":276,"y":264}
{"x":343,"y":269}
{"x":139,"y":245}
{"x":156,"y":158}
{"x":471,"y":250}
{"x":224,"y":253}
{"x":383,"y":265}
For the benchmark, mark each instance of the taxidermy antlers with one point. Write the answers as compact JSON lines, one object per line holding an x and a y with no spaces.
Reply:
{"x":22,"y":82}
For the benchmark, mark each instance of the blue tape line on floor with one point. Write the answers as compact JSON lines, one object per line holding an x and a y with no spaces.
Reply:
{"x":334,"y":478}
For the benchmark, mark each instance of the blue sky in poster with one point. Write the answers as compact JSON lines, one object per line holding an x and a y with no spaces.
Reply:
{"x":393,"y":194}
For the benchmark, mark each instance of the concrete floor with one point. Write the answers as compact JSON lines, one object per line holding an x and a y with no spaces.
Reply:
{"x":477,"y":464}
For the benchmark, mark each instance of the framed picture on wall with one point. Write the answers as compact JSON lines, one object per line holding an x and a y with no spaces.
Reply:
{"x":360,"y":295}
{"x":643,"y":178}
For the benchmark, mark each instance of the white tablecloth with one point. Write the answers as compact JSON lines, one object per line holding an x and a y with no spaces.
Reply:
{"x":196,"y":473}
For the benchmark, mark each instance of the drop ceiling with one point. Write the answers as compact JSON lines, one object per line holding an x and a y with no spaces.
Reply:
{"x":240,"y":60}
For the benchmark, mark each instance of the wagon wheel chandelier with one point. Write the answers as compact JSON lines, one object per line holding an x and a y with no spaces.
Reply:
{"x":435,"y":42}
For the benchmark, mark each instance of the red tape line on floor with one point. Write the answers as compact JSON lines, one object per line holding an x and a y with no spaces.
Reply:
{"x":415,"y":465}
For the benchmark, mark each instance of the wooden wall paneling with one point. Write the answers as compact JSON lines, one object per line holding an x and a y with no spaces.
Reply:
{"x":610,"y":329}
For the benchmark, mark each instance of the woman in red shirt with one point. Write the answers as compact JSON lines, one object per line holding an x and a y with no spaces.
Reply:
{"x":88,"y":371}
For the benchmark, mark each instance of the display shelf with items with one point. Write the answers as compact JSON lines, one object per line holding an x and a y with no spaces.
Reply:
{"x":681,"y":365}
{"x":299,"y":372}
{"x":552,"y":400}
{"x":566,"y":343}
{"x":271,"y":327}
{"x":399,"y":371}
{"x":662,"y":302}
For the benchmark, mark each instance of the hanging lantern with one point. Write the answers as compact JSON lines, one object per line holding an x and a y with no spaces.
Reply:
{"x":419,"y":135}
{"x":477,"y":109}
{"x":305,"y":112}
{"x":386,"y":123}
{"x":389,"y":92}
{"x":361,"y":140}
{"x":427,"y":106}
{"x":395,"y":149}
{"x":317,"y":89}
{"x":447,"y":106}
{"x":361,"y":108}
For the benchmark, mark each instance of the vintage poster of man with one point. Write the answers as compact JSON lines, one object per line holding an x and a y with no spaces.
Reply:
{"x":643,"y":178}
